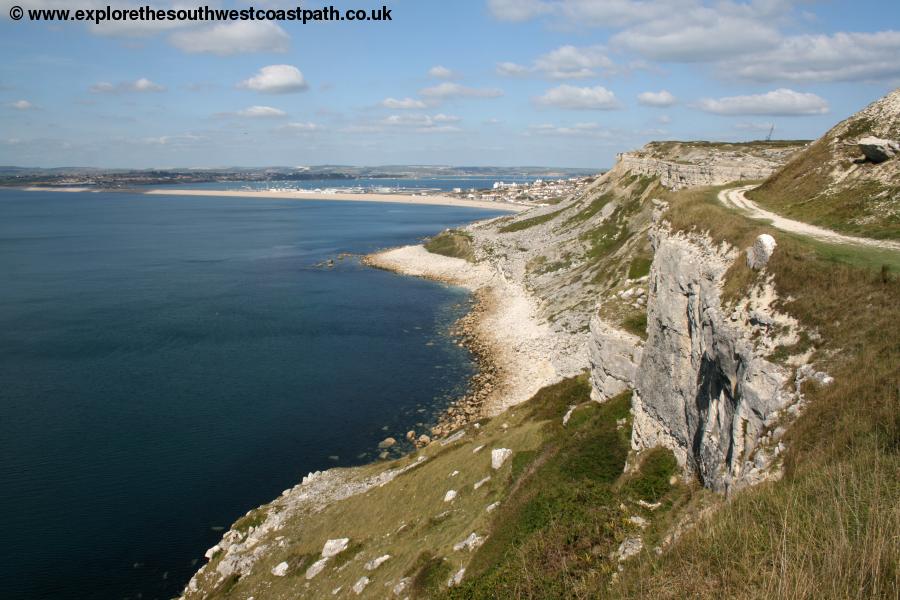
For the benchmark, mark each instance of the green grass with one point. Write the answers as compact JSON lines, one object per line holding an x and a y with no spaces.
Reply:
{"x":530,"y":222}
{"x":639,"y":267}
{"x":593,"y":208}
{"x":636,"y":323}
{"x":831,"y":527}
{"x":454,"y":243}
{"x":553,"y":535}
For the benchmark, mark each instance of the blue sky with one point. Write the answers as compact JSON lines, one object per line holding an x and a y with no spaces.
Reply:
{"x":469,"y":82}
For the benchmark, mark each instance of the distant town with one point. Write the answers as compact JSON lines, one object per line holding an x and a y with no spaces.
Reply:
{"x":538,"y":192}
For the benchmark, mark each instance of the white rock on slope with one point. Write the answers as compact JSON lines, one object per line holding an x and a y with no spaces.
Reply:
{"x":760,"y":252}
{"x":334,"y":547}
{"x":878,"y":150}
{"x":499,"y":456}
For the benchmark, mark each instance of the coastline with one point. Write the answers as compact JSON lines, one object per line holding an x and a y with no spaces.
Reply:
{"x":430,"y":200}
{"x":502,"y":331}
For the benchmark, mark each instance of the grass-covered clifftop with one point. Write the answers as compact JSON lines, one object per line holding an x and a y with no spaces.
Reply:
{"x":831,"y":184}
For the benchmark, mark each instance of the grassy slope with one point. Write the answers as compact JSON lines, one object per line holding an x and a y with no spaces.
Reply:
{"x":831,"y":527}
{"x":804,"y":189}
{"x":452,"y":242}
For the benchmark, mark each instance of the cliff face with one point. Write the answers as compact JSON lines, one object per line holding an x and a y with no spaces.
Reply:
{"x":703,"y":388}
{"x":691,"y":164}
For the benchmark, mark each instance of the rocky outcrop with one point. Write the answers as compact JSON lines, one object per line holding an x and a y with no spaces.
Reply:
{"x":614,"y":356}
{"x":878,"y":150}
{"x":676,"y":175}
{"x":702,"y":388}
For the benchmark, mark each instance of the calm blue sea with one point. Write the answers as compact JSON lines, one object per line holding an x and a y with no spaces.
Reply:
{"x":167,"y":364}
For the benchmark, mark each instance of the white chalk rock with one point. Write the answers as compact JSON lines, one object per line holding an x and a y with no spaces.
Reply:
{"x":450,"y":496}
{"x":759,"y":254}
{"x":377,"y":562}
{"x":280,"y":570}
{"x":481,"y":482}
{"x":334,"y":547}
{"x":360,"y":585}
{"x":457,"y":578}
{"x":470,"y":543}
{"x":878,"y":150}
{"x":499,"y":456}
{"x":316,"y":568}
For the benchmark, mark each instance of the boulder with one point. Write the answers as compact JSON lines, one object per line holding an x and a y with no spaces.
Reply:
{"x":473,"y":542}
{"x":334,"y":547}
{"x":280,"y":570}
{"x":629,"y":548}
{"x":456,"y":578}
{"x":360,"y":585}
{"x":499,"y":456}
{"x":387,"y":443}
{"x":316,"y":568}
{"x":423,"y":440}
{"x":411,"y":436}
{"x":450,"y":496}
{"x":377,"y":562}
{"x":878,"y":150}
{"x":760,"y":252}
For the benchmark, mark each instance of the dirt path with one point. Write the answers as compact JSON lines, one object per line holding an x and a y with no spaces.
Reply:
{"x":736,"y":198}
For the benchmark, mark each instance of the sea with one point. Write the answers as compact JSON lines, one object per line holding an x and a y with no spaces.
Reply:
{"x":169,"y":363}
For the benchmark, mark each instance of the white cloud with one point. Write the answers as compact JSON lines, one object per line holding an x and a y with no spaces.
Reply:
{"x":570,"y":62}
{"x":238,"y":37}
{"x":276,"y":79}
{"x":780,"y":102}
{"x":404,"y":104}
{"x":697,"y":35}
{"x":419,"y":123}
{"x":173,"y":140}
{"x":441,"y":72}
{"x":565,"y":62}
{"x":141,"y":86}
{"x":21,"y":105}
{"x":257,"y":112}
{"x":661,"y":98}
{"x":511,"y":69}
{"x":446,"y":90}
{"x":838,"y":57}
{"x":579,"y":98}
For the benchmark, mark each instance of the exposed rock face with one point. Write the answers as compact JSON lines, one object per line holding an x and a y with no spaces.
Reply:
{"x":676,"y":176}
{"x":701,"y":389}
{"x":614,"y":356}
{"x":878,"y":150}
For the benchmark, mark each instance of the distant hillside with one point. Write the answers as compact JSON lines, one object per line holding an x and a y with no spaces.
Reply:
{"x":832,"y":184}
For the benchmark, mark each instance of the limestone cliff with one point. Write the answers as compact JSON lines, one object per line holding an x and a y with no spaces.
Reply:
{"x":690,"y":164}
{"x":703,"y":387}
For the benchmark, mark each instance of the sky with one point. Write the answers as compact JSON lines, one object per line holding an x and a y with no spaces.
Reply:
{"x":564,"y":83}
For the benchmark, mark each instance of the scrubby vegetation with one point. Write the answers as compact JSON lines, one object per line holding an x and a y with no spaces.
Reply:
{"x":452,"y":242}
{"x":555,"y":534}
{"x":831,"y":527}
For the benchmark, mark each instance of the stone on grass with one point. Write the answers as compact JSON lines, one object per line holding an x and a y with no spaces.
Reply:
{"x":629,"y":548}
{"x":280,"y":570}
{"x":456,"y":578}
{"x":470,"y":543}
{"x":316,"y":568}
{"x":499,"y":456}
{"x":760,"y":252}
{"x":481,"y":482}
{"x":492,"y":507}
{"x":334,"y":547}
{"x":377,"y":562}
{"x":450,"y":496}
{"x":360,"y":585}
